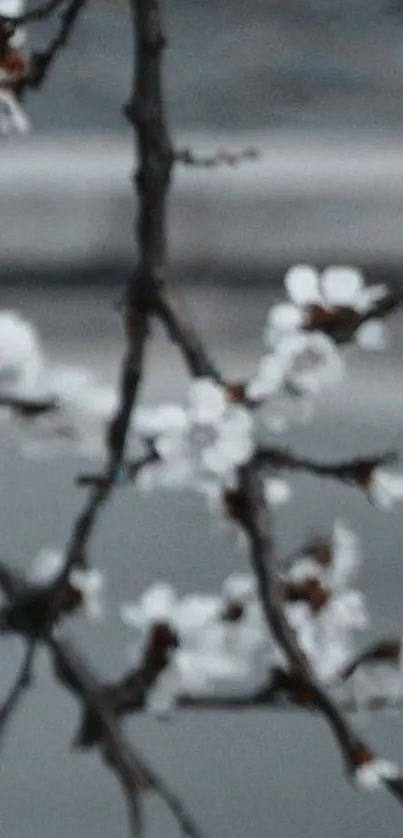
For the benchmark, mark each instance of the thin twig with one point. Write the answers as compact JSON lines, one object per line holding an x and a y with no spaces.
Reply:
{"x":128,"y":472}
{"x":341,"y":322}
{"x":133,"y":771}
{"x":387,"y":651}
{"x":356,"y":471}
{"x":251,"y":513}
{"x":222,"y":157}
{"x":182,"y":333}
{"x":41,"y":62}
{"x":28,"y":408}
{"x":21,"y":684}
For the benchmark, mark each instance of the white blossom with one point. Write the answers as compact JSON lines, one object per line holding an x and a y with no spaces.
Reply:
{"x":345,"y":610}
{"x":213,"y":652}
{"x":269,"y":378}
{"x":335,"y":627}
{"x":21,"y":358}
{"x":90,"y":582}
{"x":311,"y":359}
{"x":304,"y":568}
{"x":160,"y":603}
{"x":337,"y":286}
{"x":345,"y":556}
{"x":277,"y":491}
{"x":46,"y":566}
{"x":369,"y":776}
{"x":84,"y":409}
{"x":385,"y":488}
{"x":12,"y":116}
{"x":239,"y":587}
{"x":211,"y":435}
{"x":153,"y":421}
{"x":380,"y":679}
{"x":279,"y":410}
{"x":372,"y":335}
{"x":344,"y":560}
{"x":207,"y":402}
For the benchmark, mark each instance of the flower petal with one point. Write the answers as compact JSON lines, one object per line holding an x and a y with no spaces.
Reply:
{"x":159,"y":601}
{"x":276,"y":491}
{"x":302,"y":285}
{"x":133,"y":616}
{"x":284,"y":317}
{"x":151,"y":421}
{"x":369,"y":775}
{"x":207,"y":401}
{"x":370,"y":295}
{"x":372,"y":335}
{"x":341,"y":286}
{"x":46,"y":566}
{"x":385,"y":488}
{"x":269,"y":377}
{"x":239,"y":586}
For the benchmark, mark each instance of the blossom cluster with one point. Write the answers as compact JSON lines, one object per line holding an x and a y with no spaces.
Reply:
{"x":202,"y":442}
{"x":203,"y":645}
{"x":223,"y":639}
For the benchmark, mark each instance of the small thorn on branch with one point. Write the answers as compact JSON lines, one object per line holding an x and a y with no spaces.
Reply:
{"x":221,"y":158}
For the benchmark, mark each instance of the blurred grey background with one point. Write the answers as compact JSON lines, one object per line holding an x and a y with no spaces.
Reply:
{"x":317,"y":85}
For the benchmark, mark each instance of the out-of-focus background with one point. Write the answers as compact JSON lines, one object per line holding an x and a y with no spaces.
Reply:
{"x":317,"y":86}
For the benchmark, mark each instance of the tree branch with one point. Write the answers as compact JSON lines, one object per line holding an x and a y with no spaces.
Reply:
{"x":134,"y":773}
{"x":221,"y":158}
{"x":41,"y":62}
{"x":249,"y":509}
{"x":22,"y":683}
{"x":387,"y":650}
{"x":28,"y":408}
{"x":356,"y":472}
{"x":342,"y":322}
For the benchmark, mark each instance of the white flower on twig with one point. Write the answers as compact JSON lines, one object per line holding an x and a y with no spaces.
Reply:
{"x":385,"y":488}
{"x":297,"y":368}
{"x":345,"y":556}
{"x":239,"y":587}
{"x":89,"y":582}
{"x":269,"y":378}
{"x":336,"y":288}
{"x":84,"y":409}
{"x":311,"y":360}
{"x":277,"y":491}
{"x":160,"y":603}
{"x":378,"y":679}
{"x":210,"y":436}
{"x":91,"y":585}
{"x":369,"y":776}
{"x":215,"y":648}
{"x":335,"y":627}
{"x":46,"y":566}
{"x":21,"y":358}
